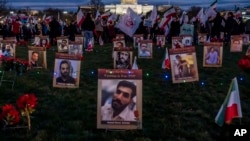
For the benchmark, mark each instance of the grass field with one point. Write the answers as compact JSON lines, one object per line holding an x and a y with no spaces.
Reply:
{"x":178,"y":112}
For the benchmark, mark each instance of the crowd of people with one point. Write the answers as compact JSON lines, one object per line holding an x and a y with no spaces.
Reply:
{"x":103,"y":30}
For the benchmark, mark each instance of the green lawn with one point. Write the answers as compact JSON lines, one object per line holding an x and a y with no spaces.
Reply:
{"x":178,"y":112}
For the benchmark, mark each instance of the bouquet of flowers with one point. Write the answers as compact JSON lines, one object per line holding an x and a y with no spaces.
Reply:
{"x":25,"y":103}
{"x":244,"y":64}
{"x":11,"y":64}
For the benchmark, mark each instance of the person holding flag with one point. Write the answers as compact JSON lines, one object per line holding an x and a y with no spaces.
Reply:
{"x":88,"y":27}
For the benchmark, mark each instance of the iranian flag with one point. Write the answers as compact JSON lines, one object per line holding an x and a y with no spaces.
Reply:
{"x":214,"y":4}
{"x":135,"y":66}
{"x":79,"y":18}
{"x":167,"y":17}
{"x":166,"y":62}
{"x":231,"y":107}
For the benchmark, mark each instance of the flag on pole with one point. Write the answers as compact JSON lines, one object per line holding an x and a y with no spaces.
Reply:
{"x":135,"y":66}
{"x":97,"y":14}
{"x":79,"y":18}
{"x":167,"y":17}
{"x":166,"y":62}
{"x":153,"y":15}
{"x":106,"y":14}
{"x":129,"y":22}
{"x":90,"y":46}
{"x":44,"y":16}
{"x":231,"y":107}
{"x":214,"y":4}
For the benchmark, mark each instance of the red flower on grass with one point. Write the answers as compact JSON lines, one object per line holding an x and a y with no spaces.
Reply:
{"x":244,"y":63}
{"x":27,"y":102}
{"x":10,"y":115}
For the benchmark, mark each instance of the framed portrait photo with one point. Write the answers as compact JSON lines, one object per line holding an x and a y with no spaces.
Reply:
{"x":177,"y":42}
{"x":160,"y":40}
{"x":37,"y":57}
{"x":245,"y":39}
{"x":183,"y":65}
{"x":8,"y":48}
{"x":123,"y":58}
{"x":187,"y":40}
{"x":63,"y":44}
{"x":75,"y":48}
{"x":66,"y":71}
{"x":13,"y":39}
{"x":44,"y":41}
{"x":136,"y":39}
{"x":248,"y":51}
{"x":236,"y":43}
{"x":212,"y":54}
{"x":145,"y":49}
{"x":79,"y":38}
{"x":120,"y":36}
{"x":119,"y":43}
{"x":119,"y":99}
{"x":202,"y":38}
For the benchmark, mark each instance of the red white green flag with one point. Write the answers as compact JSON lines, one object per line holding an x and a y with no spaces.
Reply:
{"x":231,"y":107}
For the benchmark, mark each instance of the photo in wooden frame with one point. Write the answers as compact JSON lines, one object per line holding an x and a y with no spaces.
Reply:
{"x":44,"y":41}
{"x":248,"y":51}
{"x":177,"y":42}
{"x":212,"y":54}
{"x":236,"y":43}
{"x":79,"y":39}
{"x":183,"y":65}
{"x":120,"y":36}
{"x":37,"y":57}
{"x":160,"y":40}
{"x":66,"y":71}
{"x":136,"y":39}
{"x":8,"y":48}
{"x":145,"y":49}
{"x":202,"y":38}
{"x":187,"y":40}
{"x":63,"y":44}
{"x":123,"y":58}
{"x":75,"y":48}
{"x":123,"y":89}
{"x":245,"y":39}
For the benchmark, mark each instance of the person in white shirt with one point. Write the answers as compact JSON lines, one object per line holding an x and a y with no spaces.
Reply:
{"x":122,"y":104}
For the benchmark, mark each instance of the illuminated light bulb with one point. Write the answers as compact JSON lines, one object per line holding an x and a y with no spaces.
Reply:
{"x":166,"y":76}
{"x":110,"y":72}
{"x":92,"y":72}
{"x":147,"y":74}
{"x":54,"y":73}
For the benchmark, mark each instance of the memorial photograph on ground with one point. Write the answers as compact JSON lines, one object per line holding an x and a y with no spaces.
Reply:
{"x":183,"y":65}
{"x":119,"y":99}
{"x":37,"y":57}
{"x":66,"y":71}
{"x":212,"y":54}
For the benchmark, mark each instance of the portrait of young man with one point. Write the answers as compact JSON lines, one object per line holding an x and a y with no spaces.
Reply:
{"x":67,"y":71}
{"x":62,"y":45}
{"x":119,"y":99}
{"x":212,"y":56}
{"x":123,"y":60}
{"x":37,"y":57}
{"x":8,"y":49}
{"x":137,"y":38}
{"x":236,"y":45}
{"x":145,"y":49}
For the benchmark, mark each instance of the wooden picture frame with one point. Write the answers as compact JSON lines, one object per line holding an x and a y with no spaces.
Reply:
{"x":183,"y":65}
{"x":119,"y":43}
{"x":187,"y":40}
{"x":136,"y":39}
{"x":112,"y":82}
{"x":63,"y":44}
{"x":202,"y":38}
{"x":8,"y":48}
{"x":160,"y":40}
{"x":213,"y":54}
{"x":145,"y":49}
{"x":120,"y":36}
{"x":66,"y":71}
{"x":123,"y":58}
{"x":177,"y":42}
{"x":245,"y":39}
{"x":37,"y":57}
{"x":75,"y":48}
{"x":79,"y":39}
{"x":44,"y":41}
{"x":236,"y":43}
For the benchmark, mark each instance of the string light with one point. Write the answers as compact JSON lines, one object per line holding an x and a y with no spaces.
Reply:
{"x":92,"y":72}
{"x":147,"y":74}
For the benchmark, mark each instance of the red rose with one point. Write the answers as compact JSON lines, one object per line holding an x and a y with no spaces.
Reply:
{"x":28,"y":101}
{"x":10,"y":114}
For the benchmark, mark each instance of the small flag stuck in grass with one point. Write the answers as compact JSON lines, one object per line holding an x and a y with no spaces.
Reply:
{"x":135,"y":66}
{"x":166,"y":62}
{"x":231,"y":107}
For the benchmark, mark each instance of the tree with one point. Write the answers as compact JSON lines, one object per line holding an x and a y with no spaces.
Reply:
{"x":97,"y":4}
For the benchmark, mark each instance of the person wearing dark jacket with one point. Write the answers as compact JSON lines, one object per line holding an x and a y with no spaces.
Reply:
{"x":54,"y":30}
{"x":88,"y":27}
{"x":231,"y":27}
{"x":217,"y":27}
